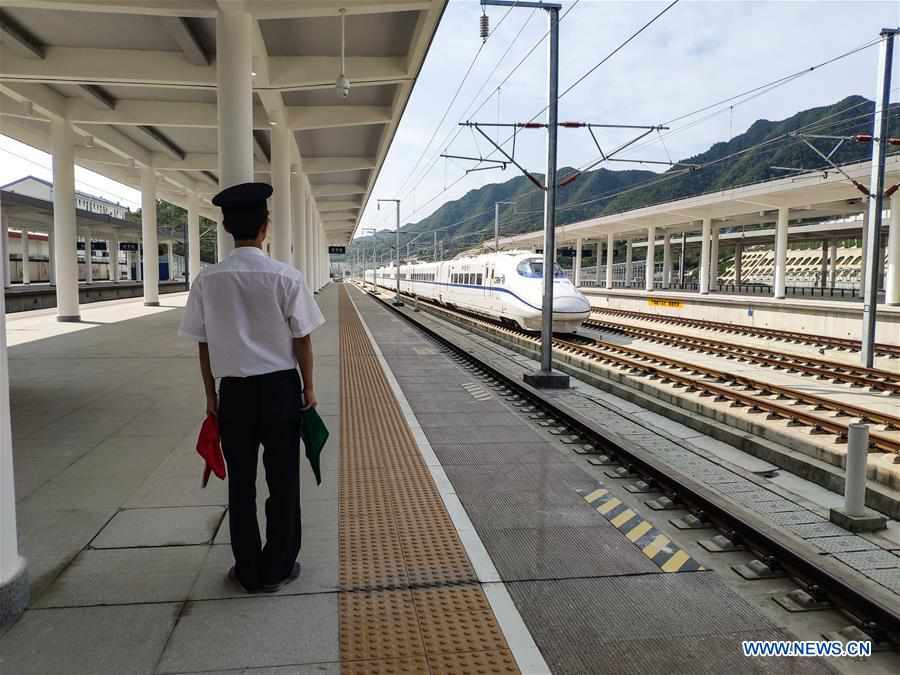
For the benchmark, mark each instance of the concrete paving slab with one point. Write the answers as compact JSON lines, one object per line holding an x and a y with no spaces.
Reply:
{"x":161,"y":490}
{"x":254,"y":632}
{"x":126,"y":576}
{"x":160,"y":527}
{"x":319,"y":573}
{"x":124,"y":640}
{"x":308,"y":669}
{"x":498,"y":453}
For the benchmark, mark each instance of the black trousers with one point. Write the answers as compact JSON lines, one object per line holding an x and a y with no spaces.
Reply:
{"x":262,"y":409}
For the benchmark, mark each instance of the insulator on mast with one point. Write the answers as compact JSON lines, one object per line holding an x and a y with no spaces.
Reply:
{"x":484,"y":25}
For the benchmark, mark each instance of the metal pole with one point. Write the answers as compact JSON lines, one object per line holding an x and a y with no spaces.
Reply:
{"x":397,"y":300}
{"x":550,"y":196}
{"x":681,"y":260}
{"x":435,"y":248}
{"x":876,"y":191}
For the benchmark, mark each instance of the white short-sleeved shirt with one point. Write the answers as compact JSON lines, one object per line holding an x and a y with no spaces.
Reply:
{"x":248,"y":308}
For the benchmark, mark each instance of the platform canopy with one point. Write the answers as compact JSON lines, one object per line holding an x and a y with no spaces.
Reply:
{"x":814,"y":195}
{"x":138,"y":81}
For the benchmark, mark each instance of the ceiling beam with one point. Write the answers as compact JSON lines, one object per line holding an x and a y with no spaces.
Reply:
{"x":196,"y":161}
{"x":291,"y":9}
{"x":158,"y":138}
{"x":337,"y":190}
{"x":181,"y":32}
{"x":158,"y":68}
{"x":338,"y":206}
{"x":127,"y":112}
{"x":331,"y":217}
{"x":314,"y":165}
{"x":304,"y":118}
{"x":197,"y":8}
{"x":10,"y":28}
{"x":98,"y":95}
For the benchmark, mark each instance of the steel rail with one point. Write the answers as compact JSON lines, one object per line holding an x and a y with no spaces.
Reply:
{"x":872,"y":611}
{"x":892,"y":351}
{"x":875,"y":378}
{"x":625,"y":357}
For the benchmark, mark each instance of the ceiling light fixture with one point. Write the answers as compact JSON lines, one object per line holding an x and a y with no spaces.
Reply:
{"x":343,"y":84}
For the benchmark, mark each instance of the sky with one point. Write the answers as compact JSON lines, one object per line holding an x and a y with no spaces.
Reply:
{"x":694,"y":55}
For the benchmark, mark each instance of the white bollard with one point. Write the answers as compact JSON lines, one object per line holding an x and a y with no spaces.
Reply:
{"x":855,"y":481}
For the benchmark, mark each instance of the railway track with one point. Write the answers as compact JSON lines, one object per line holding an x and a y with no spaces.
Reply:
{"x":874,"y":614}
{"x":777,"y":402}
{"x":820,"y":341}
{"x":823,"y":369}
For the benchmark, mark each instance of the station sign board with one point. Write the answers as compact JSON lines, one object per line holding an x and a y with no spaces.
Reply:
{"x":337,"y":250}
{"x":128,"y":246}
{"x":98,"y":245}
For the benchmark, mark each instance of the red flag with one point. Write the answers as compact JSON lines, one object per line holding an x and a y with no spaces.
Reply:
{"x":210,"y":449}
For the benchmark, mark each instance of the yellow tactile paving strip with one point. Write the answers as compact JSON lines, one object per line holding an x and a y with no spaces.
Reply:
{"x":410,"y":601}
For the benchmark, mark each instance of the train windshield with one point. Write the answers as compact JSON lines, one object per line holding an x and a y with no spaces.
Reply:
{"x":533,"y":268}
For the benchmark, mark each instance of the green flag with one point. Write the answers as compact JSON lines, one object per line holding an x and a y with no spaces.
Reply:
{"x":314,"y":434}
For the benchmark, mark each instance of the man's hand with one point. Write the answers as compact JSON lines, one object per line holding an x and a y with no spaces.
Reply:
{"x":309,"y":399}
{"x":212,"y":404}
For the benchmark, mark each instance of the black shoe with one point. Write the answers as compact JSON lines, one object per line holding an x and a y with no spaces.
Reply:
{"x":274,"y":588}
{"x":233,"y":577}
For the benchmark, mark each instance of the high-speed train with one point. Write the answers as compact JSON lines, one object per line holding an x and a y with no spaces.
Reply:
{"x":507,"y":285}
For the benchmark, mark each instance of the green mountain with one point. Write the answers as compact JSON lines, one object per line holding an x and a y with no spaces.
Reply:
{"x":746,"y":158}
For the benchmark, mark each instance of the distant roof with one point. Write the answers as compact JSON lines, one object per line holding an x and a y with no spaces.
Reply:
{"x":50,"y":185}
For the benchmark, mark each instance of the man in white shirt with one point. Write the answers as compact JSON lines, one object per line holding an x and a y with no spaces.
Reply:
{"x":252,"y":317}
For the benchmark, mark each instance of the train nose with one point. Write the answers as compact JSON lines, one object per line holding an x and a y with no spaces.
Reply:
{"x":570,"y":304}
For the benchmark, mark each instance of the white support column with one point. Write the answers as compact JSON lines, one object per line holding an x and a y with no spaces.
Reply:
{"x":598,"y":256}
{"x":892,"y":271}
{"x":234,"y":65}
{"x":26,"y":257}
{"x":738,"y":263}
{"x":578,"y":245}
{"x":610,"y":256}
{"x":149,"y":235}
{"x":317,"y":252}
{"x":193,"y":228}
{"x":823,"y":266}
{"x":280,"y":228}
{"x":832,"y":263}
{"x":298,"y":218}
{"x":667,"y":259}
{"x":5,"y":266}
{"x":309,"y":268}
{"x":64,"y":230}
{"x":703,"y":272}
{"x":650,"y":261}
{"x":781,"y":238}
{"x":629,"y":267}
{"x":714,"y":260}
{"x":115,"y":273}
{"x":14,"y":587}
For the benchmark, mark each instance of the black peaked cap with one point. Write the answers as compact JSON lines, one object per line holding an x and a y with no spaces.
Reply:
{"x":243,"y":196}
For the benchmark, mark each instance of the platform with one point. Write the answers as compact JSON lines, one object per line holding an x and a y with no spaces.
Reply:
{"x":834,"y":318}
{"x":451,"y":534}
{"x":22,"y":297}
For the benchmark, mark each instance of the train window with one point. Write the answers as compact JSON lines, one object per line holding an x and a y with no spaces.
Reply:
{"x":478,"y":279}
{"x":533,"y":268}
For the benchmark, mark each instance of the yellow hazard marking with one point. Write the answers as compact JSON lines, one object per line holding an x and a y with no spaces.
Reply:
{"x":674,"y":563}
{"x":661,"y":550}
{"x":595,"y":495}
{"x":623,"y":518}
{"x":639,"y":530}
{"x":609,"y":506}
{"x":656,"y":545}
{"x":664,"y":302}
